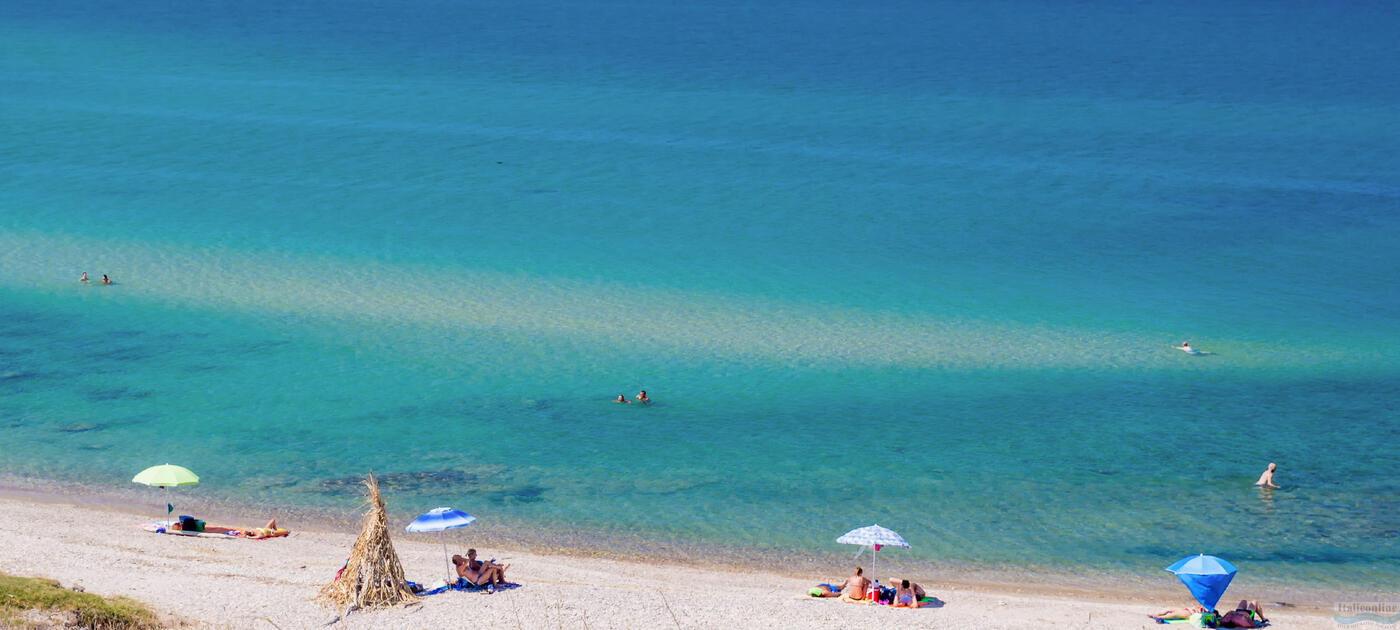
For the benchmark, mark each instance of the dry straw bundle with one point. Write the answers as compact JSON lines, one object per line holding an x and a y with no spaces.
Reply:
{"x":372,"y":577}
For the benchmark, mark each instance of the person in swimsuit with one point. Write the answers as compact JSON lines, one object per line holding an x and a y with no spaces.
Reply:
{"x":855,"y":586}
{"x":908,"y":594}
{"x":622,"y":399}
{"x":642,"y":398}
{"x":83,"y":278}
{"x":1266,"y":480}
{"x":1246,"y":615}
{"x":271,"y":530}
{"x":1178,"y":613}
{"x":478,"y":572}
{"x":1185,"y":347}
{"x":825,"y":590}
{"x":105,"y":279}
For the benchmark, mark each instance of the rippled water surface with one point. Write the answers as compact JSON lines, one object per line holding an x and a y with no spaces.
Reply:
{"x":915,"y":264}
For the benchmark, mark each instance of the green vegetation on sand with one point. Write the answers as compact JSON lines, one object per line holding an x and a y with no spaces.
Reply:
{"x":18,"y":595}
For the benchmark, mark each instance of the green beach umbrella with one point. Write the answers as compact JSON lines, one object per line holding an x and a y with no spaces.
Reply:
{"x":166,"y":475}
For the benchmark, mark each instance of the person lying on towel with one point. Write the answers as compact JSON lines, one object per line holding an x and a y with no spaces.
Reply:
{"x":825,"y":590}
{"x":1178,"y":613}
{"x":907,"y":594}
{"x":1246,"y":615}
{"x":271,"y":530}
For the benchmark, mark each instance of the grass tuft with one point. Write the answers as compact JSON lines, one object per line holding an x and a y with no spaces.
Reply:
{"x":18,"y":595}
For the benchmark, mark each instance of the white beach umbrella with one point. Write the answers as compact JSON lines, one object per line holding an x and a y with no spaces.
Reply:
{"x":873,"y":537}
{"x":440,"y":520}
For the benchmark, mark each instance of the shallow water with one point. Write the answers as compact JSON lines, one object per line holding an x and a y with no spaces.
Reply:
{"x":919,"y":265}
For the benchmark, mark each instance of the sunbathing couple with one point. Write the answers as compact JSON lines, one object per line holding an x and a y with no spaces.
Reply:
{"x":480,"y":573}
{"x":1247,"y":615}
{"x":906,"y":595}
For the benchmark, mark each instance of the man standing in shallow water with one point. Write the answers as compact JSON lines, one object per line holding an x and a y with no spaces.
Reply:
{"x":1266,"y":480}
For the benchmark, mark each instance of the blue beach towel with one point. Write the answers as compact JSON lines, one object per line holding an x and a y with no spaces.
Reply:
{"x":460,"y":585}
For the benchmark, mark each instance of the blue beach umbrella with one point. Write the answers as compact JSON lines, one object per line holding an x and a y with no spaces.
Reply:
{"x":873,"y":537}
{"x":440,"y":520}
{"x":1206,"y":577}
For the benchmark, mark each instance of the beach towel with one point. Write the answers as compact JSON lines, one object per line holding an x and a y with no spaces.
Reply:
{"x":441,"y":586}
{"x":923,"y":602}
{"x":214,"y":531}
{"x":1198,"y":620}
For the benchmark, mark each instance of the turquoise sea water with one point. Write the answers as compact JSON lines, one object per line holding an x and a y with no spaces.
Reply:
{"x":917,"y":264}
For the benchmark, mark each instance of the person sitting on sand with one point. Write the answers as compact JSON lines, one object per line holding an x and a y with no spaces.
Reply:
{"x":472,"y":576}
{"x":1246,"y":615}
{"x":622,"y":399}
{"x":907,"y":594}
{"x":855,"y":586}
{"x":478,"y":572}
{"x":642,"y":398}
{"x":1266,"y":480}
{"x":1178,"y":613}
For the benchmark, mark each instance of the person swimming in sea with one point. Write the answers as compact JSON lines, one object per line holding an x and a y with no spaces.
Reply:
{"x":83,"y":278}
{"x":105,"y":279}
{"x":1266,"y":480}
{"x":642,"y":398}
{"x":622,"y":399}
{"x":1185,"y":347}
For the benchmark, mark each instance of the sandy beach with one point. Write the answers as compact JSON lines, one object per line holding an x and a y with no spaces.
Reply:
{"x":215,"y":583}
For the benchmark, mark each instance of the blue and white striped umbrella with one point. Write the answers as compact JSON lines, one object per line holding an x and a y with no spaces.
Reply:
{"x":439,"y":520}
{"x":873,"y":537}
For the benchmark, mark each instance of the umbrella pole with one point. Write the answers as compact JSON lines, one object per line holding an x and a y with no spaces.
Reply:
{"x":873,"y":575}
{"x":444,"y":556}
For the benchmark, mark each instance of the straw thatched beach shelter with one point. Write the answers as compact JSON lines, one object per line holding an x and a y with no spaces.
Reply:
{"x":373,"y":576}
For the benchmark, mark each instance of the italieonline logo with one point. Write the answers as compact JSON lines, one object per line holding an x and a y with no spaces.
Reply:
{"x":1366,"y":614}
